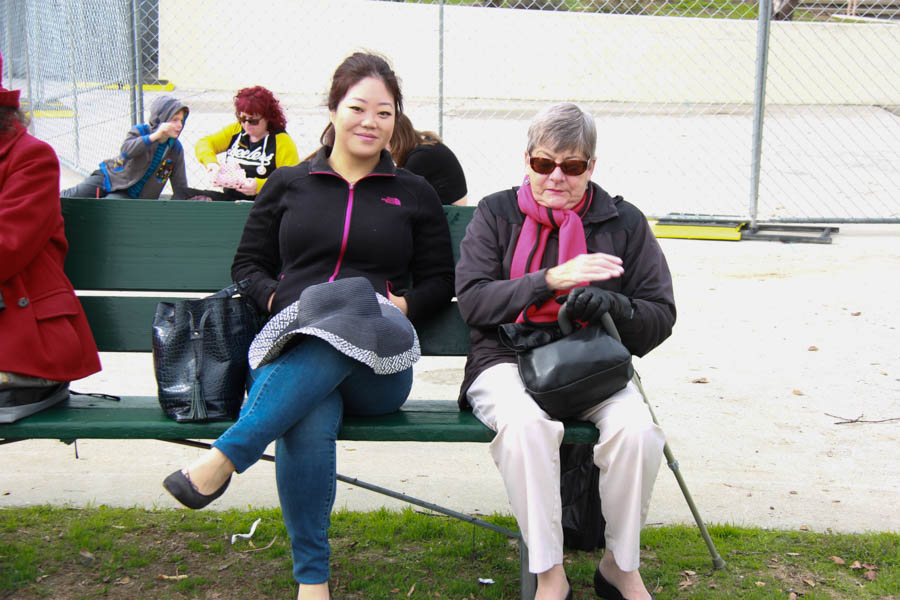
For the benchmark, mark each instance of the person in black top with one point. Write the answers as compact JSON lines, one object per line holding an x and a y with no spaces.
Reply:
{"x":423,"y":153}
{"x":347,"y":216}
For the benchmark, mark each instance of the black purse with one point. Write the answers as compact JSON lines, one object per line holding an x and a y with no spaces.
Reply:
{"x":200,"y":354}
{"x":568,"y":370}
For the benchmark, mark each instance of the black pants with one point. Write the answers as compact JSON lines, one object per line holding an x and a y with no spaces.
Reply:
{"x":92,"y":187}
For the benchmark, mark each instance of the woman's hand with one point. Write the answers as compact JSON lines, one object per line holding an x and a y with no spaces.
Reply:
{"x":590,"y":304}
{"x":399,"y":302}
{"x":584,"y":268}
{"x":247,"y":187}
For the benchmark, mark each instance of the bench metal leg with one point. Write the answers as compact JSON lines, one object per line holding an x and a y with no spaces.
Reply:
{"x":527,"y":578}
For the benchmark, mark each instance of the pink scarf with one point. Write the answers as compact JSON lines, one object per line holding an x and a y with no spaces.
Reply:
{"x":539,"y":220}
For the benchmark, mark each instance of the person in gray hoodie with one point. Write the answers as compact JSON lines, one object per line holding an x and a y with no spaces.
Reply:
{"x":150,"y":155}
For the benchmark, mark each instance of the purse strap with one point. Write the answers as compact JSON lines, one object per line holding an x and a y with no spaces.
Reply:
{"x":610,"y":327}
{"x":235,"y":288}
{"x":565,"y":323}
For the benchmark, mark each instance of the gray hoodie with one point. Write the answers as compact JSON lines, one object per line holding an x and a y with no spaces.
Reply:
{"x":137,"y":153}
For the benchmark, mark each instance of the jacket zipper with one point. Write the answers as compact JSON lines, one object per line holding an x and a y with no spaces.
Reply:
{"x":347,"y":218}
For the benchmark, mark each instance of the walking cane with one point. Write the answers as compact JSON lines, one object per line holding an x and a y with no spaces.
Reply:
{"x":718,"y":562}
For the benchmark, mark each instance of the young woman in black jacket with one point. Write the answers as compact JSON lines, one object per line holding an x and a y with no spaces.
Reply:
{"x":346,"y":219}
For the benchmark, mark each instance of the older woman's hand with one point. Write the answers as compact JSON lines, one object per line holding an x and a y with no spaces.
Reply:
{"x":584,"y":268}
{"x":590,"y":304}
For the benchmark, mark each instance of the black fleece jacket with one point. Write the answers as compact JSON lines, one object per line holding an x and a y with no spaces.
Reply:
{"x":309,"y":225}
{"x":488,"y":297}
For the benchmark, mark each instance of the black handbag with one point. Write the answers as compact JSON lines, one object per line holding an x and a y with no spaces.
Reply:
{"x":568,"y":370}
{"x":579,"y":487}
{"x":200,"y":354}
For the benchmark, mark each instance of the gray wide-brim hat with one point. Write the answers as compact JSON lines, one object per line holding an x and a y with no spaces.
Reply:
{"x":349,"y":315}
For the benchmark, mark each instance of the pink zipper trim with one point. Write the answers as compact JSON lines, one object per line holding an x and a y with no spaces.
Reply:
{"x":347,"y":217}
{"x":340,"y":259}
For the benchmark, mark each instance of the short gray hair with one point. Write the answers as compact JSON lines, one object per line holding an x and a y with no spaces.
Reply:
{"x":563,"y":126}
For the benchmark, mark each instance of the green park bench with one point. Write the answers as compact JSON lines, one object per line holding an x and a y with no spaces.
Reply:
{"x":157,"y":247}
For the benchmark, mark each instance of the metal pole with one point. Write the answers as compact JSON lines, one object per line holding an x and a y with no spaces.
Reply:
{"x":527,"y":579}
{"x":31,"y":103}
{"x":135,"y":67}
{"x":138,"y":89}
{"x":441,"y":71}
{"x":385,"y":491}
{"x":76,"y":129}
{"x":759,"y":104}
{"x":717,"y":560}
{"x":7,"y":48}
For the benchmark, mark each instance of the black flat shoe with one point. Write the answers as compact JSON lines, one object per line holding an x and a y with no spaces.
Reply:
{"x":181,"y":487}
{"x":604,"y":588}
{"x":607,"y":590}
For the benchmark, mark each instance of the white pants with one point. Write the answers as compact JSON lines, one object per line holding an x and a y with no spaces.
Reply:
{"x":526,"y":450}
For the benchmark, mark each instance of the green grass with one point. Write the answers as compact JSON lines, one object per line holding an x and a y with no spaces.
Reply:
{"x":61,"y":553}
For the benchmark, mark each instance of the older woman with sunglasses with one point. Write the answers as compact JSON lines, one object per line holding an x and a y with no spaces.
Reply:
{"x":257,"y":143}
{"x":559,"y":239}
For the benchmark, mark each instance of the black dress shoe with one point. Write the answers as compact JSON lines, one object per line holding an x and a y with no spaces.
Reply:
{"x":605,"y":589}
{"x":184,"y":491}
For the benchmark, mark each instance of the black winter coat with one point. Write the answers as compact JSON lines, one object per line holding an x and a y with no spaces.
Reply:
{"x":309,"y":225}
{"x":488,"y":298}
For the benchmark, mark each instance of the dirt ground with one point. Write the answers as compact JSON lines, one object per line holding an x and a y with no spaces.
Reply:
{"x":775,"y":347}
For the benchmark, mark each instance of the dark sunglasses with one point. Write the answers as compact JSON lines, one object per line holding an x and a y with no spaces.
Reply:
{"x":248,"y":120}
{"x":545,"y":166}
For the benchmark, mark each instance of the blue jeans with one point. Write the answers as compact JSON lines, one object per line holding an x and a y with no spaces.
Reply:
{"x":298,"y":400}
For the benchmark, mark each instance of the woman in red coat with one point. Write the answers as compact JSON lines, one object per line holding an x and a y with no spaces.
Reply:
{"x":45,"y":339}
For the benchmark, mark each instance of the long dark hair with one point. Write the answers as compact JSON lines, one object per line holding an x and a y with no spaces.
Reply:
{"x":354,"y":69}
{"x":406,"y":137}
{"x":257,"y":100}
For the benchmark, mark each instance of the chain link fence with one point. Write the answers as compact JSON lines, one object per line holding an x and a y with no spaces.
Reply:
{"x":74,"y":64}
{"x":703,"y":107}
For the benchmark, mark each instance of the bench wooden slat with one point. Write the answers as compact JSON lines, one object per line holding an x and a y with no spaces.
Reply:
{"x":124,"y":324}
{"x":140,"y":417}
{"x":121,"y":244}
{"x":166,"y":245}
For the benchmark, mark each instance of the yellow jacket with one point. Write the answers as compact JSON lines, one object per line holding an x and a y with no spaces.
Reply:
{"x":279,"y":151}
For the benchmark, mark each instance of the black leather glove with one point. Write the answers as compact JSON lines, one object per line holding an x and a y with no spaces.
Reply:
{"x":589,"y":304}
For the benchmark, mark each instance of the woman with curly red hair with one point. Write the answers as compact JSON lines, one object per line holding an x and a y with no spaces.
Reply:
{"x":256,"y":144}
